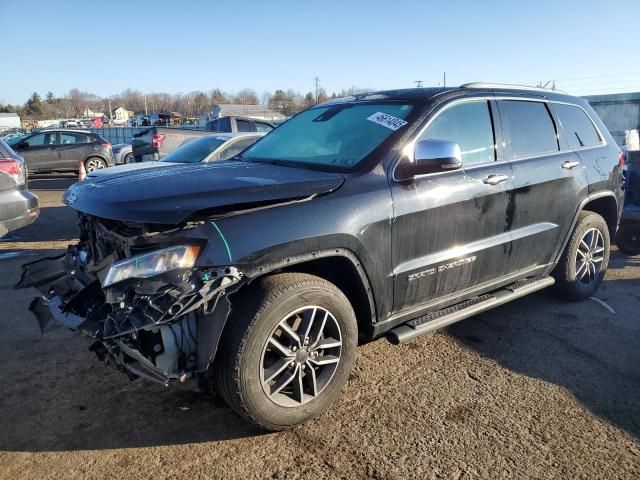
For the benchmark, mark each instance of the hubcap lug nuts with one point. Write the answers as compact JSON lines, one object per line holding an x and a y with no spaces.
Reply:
{"x":304,"y":366}
{"x":295,"y":349}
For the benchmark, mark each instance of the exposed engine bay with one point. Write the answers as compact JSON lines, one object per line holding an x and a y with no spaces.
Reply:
{"x":138,"y":293}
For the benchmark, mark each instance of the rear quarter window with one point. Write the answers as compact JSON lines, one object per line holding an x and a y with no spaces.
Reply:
{"x":529,"y":128}
{"x":580,"y":130}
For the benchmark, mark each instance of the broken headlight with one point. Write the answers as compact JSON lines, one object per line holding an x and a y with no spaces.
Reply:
{"x":152,"y":263}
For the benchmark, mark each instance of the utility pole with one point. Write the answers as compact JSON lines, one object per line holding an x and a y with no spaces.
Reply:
{"x":146,"y":112}
{"x":418,"y":83}
{"x":110,"y":119}
{"x":444,"y":79}
{"x":317,"y":80}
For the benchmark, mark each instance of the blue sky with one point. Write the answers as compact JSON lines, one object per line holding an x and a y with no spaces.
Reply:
{"x":180,"y":46}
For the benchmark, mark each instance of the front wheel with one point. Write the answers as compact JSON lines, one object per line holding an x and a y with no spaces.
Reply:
{"x":288,"y":351}
{"x":584,"y":262}
{"x":127,"y":158}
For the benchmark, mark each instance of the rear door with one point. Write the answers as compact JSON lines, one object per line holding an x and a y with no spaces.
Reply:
{"x":449,"y":232}
{"x":72,"y":148}
{"x":549,"y":180}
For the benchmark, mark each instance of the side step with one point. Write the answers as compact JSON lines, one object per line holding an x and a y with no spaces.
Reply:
{"x":441,"y":318}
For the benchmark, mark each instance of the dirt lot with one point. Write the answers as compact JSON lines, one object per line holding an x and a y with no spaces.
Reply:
{"x":534,"y":389}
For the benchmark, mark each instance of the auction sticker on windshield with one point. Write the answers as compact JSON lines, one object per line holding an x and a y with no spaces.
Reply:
{"x":386,"y":120}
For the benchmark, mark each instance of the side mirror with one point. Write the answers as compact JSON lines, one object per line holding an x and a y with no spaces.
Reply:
{"x":431,"y":156}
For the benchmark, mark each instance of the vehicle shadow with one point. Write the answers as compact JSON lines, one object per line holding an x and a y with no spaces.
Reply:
{"x":51,"y":181}
{"x":67,"y":400}
{"x":580,"y":347}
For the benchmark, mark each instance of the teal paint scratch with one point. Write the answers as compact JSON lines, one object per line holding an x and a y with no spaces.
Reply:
{"x":223,"y":239}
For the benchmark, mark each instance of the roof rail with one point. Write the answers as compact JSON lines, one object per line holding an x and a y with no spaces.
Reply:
{"x":510,"y":87}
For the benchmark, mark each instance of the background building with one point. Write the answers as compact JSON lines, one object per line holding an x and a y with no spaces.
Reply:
{"x":619,"y":112}
{"x":9,"y":120}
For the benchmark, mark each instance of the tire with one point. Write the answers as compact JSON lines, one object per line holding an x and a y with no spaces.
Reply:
{"x":127,"y":158}
{"x":584,"y":262}
{"x":628,"y":238}
{"x":92,"y":164}
{"x":247,"y":353}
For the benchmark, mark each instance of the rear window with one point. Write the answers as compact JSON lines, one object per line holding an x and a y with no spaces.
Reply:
{"x":194,"y":151}
{"x":530,"y":129}
{"x":244,"y":126}
{"x":578,"y":126}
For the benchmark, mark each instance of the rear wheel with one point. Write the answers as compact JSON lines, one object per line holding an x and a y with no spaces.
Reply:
{"x":628,"y":238}
{"x":584,"y":262}
{"x":288,"y":351}
{"x":94,"y":163}
{"x":127,"y":158}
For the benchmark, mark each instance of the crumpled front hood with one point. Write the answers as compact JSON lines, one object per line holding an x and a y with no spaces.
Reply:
{"x":171,"y":194}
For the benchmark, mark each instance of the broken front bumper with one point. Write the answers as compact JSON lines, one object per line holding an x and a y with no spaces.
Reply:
{"x":162,"y":328}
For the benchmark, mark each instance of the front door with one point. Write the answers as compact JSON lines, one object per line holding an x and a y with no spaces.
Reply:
{"x":450,"y":232}
{"x":38,"y":151}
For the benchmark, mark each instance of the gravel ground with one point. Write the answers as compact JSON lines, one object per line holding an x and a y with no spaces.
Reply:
{"x":534,"y":389}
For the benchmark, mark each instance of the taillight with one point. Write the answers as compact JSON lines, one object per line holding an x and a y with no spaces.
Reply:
{"x":621,"y":159}
{"x":106,"y":145}
{"x":13,"y":168}
{"x":156,"y":140}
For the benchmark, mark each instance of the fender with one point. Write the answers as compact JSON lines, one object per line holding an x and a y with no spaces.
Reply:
{"x":266,"y":268}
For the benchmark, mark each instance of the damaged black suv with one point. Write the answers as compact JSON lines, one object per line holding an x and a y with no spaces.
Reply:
{"x":390,"y":213}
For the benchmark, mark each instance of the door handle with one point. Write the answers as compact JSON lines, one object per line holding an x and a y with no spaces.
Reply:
{"x":568,"y":165}
{"x":494,"y":179}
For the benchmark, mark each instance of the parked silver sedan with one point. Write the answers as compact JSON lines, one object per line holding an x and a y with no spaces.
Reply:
{"x":210,"y":148}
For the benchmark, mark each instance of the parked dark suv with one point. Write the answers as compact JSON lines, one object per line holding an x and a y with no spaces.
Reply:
{"x":391,"y":213}
{"x":64,"y":149}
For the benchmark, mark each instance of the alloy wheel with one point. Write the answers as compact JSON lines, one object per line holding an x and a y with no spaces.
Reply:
{"x":94,"y":164}
{"x":300,"y":356}
{"x":589,"y":257}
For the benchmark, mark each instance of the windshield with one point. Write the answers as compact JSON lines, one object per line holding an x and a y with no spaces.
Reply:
{"x":195,"y":151}
{"x":338,"y":136}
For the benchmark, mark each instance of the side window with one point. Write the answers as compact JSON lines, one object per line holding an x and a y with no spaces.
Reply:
{"x":578,"y":126}
{"x":244,"y":126}
{"x":529,"y":128}
{"x":66,"y":138}
{"x":42,"y":139}
{"x":36,"y":140}
{"x":469,"y":125}
{"x":263,"y":127}
{"x":236,"y":147}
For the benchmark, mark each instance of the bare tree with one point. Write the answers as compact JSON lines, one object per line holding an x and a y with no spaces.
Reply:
{"x":246,"y":96}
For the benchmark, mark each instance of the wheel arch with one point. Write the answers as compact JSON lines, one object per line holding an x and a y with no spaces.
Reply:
{"x":604,"y":204}
{"x":342,"y":268}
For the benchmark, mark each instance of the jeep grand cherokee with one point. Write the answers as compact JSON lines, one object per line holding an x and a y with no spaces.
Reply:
{"x":390,"y":213}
